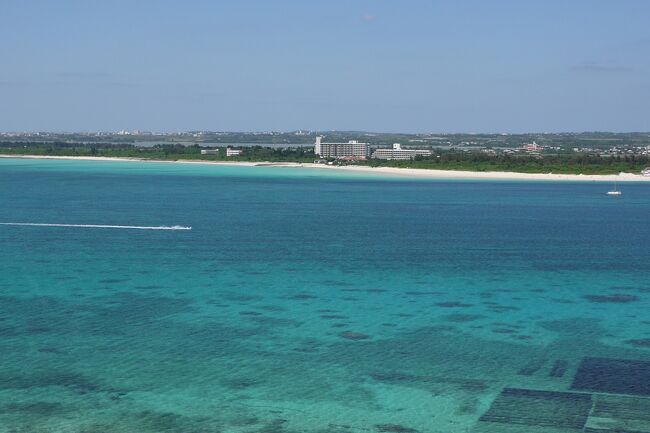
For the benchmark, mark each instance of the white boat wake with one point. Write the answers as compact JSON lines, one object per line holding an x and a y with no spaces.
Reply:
{"x":99,"y":226}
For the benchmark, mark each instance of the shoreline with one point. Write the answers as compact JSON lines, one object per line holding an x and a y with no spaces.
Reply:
{"x":421,"y":173}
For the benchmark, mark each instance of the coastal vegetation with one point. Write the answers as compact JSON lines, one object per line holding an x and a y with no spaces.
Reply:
{"x":166,"y":152}
{"x":560,"y":163}
{"x":563,"y":161}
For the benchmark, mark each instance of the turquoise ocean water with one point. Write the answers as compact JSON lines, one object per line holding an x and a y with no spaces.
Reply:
{"x":317,"y":301}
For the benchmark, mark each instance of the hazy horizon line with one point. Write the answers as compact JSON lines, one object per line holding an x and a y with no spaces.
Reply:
{"x":315,"y":131}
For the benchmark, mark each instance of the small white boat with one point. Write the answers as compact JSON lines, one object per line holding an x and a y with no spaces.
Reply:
{"x":615,"y":191}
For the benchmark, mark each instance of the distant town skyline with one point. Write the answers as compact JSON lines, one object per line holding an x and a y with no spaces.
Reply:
{"x":377,"y":66}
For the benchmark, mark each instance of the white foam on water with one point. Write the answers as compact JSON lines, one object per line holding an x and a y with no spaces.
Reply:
{"x":98,"y":226}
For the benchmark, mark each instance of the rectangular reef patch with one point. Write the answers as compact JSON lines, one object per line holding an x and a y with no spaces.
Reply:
{"x":619,"y":414}
{"x":613,"y":376}
{"x":518,"y":410}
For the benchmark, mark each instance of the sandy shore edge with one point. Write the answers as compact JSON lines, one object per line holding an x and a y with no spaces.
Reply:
{"x":387,"y":171}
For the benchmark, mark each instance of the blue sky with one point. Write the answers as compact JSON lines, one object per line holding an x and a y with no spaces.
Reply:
{"x":407,"y":65}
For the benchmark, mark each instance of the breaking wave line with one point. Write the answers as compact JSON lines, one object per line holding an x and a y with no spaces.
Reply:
{"x":99,"y":226}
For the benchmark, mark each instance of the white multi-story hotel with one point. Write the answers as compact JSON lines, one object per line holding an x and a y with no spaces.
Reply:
{"x":396,"y":152}
{"x":233,"y":152}
{"x":351,"y":149}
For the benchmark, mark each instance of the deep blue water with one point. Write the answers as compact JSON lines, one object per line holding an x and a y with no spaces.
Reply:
{"x":311,"y":301}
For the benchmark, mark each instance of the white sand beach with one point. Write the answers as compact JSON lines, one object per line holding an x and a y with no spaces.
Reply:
{"x":493,"y":175}
{"x":385,"y":171}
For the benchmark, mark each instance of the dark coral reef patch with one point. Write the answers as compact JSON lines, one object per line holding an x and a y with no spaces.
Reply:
{"x":640,"y":342}
{"x":351,"y":335}
{"x":614,"y":298}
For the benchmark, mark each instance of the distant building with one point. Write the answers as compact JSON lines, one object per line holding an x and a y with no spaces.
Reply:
{"x":352,"y":149}
{"x":532,"y":147}
{"x":646,"y":172}
{"x":209,"y":151}
{"x":396,"y":152}
{"x":233,"y":152}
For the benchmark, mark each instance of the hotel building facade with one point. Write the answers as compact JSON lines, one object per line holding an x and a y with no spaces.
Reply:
{"x":396,"y":152}
{"x":351,"y":149}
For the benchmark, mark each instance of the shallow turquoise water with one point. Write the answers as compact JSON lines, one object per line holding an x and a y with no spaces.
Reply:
{"x":304,"y":300}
